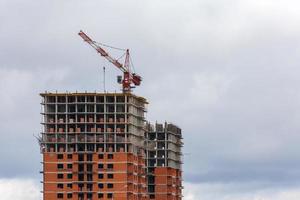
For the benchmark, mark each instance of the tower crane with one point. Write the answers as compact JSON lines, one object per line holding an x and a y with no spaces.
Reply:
{"x":129,"y":80}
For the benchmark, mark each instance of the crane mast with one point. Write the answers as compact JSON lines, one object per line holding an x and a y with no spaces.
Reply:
{"x":130,"y":80}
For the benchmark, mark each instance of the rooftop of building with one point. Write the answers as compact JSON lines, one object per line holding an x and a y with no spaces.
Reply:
{"x":67,"y":93}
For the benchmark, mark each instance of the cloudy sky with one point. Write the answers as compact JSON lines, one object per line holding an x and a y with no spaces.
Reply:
{"x":225,"y":71}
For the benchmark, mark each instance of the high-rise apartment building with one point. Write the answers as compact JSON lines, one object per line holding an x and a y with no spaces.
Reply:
{"x":93,"y":146}
{"x":98,"y":146}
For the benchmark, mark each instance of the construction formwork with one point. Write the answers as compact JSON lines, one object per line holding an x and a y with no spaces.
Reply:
{"x":93,"y":146}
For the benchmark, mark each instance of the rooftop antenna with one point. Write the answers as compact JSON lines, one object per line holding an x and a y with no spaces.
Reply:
{"x":104,"y":89}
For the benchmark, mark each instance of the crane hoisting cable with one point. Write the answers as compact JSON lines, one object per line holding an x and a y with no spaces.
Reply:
{"x":130,"y":80}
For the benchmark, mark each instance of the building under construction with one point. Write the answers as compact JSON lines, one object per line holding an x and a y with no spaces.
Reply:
{"x":100,"y":146}
{"x":164,"y":161}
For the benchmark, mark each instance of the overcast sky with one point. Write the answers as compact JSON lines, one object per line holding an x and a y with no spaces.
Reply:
{"x":226,"y":72}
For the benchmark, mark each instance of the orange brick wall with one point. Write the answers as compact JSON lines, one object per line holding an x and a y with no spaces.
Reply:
{"x":167,"y":183}
{"x":128,"y":180}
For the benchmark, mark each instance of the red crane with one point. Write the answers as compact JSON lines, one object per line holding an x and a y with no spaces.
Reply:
{"x":130,"y":80}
